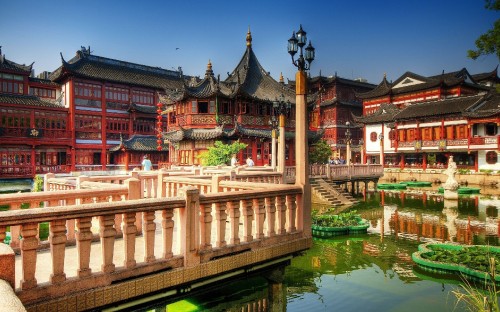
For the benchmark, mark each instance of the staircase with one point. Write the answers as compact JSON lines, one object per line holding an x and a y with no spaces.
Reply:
{"x":331,"y":193}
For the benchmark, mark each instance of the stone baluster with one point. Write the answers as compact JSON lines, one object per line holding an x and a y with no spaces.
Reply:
{"x":149,"y":229}
{"x":134,"y":192}
{"x":270,"y":206}
{"x":220,"y":217}
{"x":206,"y":226}
{"x":291,"y":207}
{"x":260,"y":217}
{"x":189,"y":226}
{"x":15,"y":229}
{"x":161,"y":190}
{"x":29,"y":244}
{"x":129,"y":230}
{"x":167,"y":224}
{"x":233,"y":207}
{"x":57,"y":239}
{"x":83,"y":241}
{"x":70,"y":224}
{"x":281,"y":214}
{"x":107,"y":233}
{"x":247,"y":208}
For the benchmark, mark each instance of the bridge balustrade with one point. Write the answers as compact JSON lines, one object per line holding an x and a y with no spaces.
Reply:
{"x":207,"y":227}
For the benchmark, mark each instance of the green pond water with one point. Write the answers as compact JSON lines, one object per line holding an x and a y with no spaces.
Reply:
{"x":371,"y":272}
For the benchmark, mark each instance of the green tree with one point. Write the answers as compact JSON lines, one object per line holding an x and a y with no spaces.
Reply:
{"x":320,"y":152}
{"x":489,"y":42}
{"x":220,"y":153}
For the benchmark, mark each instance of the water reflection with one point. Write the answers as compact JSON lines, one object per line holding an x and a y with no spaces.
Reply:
{"x":426,"y":216}
{"x":372,"y":272}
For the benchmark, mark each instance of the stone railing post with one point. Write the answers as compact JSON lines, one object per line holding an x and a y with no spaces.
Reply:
{"x":80,"y":180}
{"x":190,"y":226}
{"x":215,"y":183}
{"x":134,"y":189}
{"x":162,"y":188}
{"x":7,"y":265}
{"x":46,"y":179}
{"x":232,"y":175}
{"x":328,"y":172}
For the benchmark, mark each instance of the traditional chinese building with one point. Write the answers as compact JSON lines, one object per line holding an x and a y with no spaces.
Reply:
{"x":332,"y":109}
{"x":237,"y":108}
{"x":109,"y":102}
{"x":34,"y":123}
{"x":418,"y":122}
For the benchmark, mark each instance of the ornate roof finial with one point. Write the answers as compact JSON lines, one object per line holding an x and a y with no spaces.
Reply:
{"x":209,"y":71}
{"x":249,"y":38}
{"x":282,"y":81}
{"x":385,"y":75}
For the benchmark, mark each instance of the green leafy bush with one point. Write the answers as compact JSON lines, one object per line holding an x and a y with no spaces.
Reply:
{"x":220,"y":153}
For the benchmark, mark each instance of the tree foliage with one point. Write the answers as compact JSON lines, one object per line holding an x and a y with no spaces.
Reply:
{"x":320,"y":153}
{"x":220,"y":153}
{"x":489,"y":42}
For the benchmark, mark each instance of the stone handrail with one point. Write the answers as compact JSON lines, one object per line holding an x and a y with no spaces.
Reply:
{"x":69,"y":197}
{"x":204,"y":234}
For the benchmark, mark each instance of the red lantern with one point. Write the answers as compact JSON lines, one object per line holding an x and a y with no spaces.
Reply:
{"x":158,"y":104}
{"x":159,"y":148}
{"x":158,"y":118}
{"x":159,"y":142}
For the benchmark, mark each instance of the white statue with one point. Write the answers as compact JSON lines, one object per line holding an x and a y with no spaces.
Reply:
{"x":451,"y":183}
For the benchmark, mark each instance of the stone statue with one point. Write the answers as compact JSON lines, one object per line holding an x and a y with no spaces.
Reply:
{"x":451,"y":184}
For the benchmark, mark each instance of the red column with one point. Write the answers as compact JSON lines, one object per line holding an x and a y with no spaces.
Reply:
{"x":103,"y":128}
{"x":127,"y":160}
{"x":72,"y":123}
{"x":424,"y":161}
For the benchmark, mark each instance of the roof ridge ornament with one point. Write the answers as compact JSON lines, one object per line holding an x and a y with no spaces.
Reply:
{"x":249,"y":38}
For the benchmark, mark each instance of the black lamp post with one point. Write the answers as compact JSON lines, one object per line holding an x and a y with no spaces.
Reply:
{"x":296,"y":42}
{"x":281,"y":109}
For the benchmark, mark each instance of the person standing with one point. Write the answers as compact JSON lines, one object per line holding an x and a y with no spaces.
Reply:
{"x":250,"y":162}
{"x":234,"y":161}
{"x":146,"y":163}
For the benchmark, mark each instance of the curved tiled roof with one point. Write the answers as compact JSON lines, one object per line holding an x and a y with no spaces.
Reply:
{"x":44,"y":82}
{"x":5,"y":64}
{"x":221,"y":132}
{"x":100,"y":68}
{"x":487,"y":107}
{"x":456,"y":105}
{"x":28,"y":100}
{"x":143,"y":108}
{"x":255,"y":82}
{"x":385,"y":113}
{"x":383,"y":88}
{"x":139,"y":143}
{"x":493,"y":75}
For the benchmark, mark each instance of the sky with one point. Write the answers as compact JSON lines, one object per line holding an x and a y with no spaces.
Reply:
{"x":353,"y":39}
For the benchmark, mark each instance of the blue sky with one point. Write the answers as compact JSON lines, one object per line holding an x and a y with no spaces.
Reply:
{"x":352,"y":38}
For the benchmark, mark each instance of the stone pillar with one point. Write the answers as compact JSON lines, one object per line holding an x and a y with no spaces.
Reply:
{"x":7,"y":264}
{"x":281,"y":145}
{"x":134,"y":192}
{"x":301,"y":154}
{"x":273,"y":150}
{"x":190,"y":226}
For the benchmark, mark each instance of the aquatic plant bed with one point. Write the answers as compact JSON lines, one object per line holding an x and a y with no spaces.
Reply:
{"x":391,"y":186}
{"x":325,"y":226}
{"x":416,"y":183}
{"x":464,"y":190}
{"x":473,"y":262}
